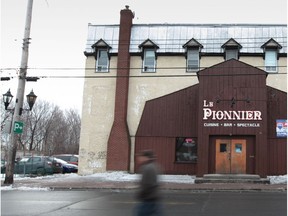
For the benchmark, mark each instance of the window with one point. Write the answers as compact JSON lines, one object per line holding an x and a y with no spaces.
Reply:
{"x":149,"y":61}
{"x":271,"y":49}
{"x":101,"y":53}
{"x":193,"y":49}
{"x":231,"y":54}
{"x":102,"y":62}
{"x":193,"y":59}
{"x":186,"y":149}
{"x":223,"y":147}
{"x":231,"y":49}
{"x":271,"y":60}
{"x":148,"y":55}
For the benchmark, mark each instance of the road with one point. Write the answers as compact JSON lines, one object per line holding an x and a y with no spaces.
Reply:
{"x":116,"y":202}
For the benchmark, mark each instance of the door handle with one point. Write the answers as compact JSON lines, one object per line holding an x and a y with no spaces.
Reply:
{"x":252,"y":156}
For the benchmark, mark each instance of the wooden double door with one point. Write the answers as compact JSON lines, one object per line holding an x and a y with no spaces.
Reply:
{"x":230,"y":156}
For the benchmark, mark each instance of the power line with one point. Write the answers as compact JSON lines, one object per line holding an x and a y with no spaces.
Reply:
{"x":125,"y":68}
{"x":152,"y":75}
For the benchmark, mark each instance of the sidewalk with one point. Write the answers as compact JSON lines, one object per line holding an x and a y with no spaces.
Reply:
{"x":75,"y":182}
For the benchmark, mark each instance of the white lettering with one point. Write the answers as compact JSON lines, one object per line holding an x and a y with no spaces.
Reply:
{"x":207,"y":113}
{"x":231,"y":115}
{"x":205,"y":104}
{"x":248,"y":125}
{"x":211,"y":124}
{"x":227,"y":124}
{"x":257,"y":115}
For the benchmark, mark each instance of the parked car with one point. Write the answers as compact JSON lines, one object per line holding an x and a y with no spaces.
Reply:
{"x":38,"y":165}
{"x":56,"y":166}
{"x":70,"y":158}
{"x":65,"y":166}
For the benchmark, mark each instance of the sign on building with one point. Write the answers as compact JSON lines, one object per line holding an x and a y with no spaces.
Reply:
{"x":281,"y":127}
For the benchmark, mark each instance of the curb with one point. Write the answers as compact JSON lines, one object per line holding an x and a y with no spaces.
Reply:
{"x":166,"y":186}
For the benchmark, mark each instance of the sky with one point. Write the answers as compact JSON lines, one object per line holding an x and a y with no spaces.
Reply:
{"x":59,"y":31}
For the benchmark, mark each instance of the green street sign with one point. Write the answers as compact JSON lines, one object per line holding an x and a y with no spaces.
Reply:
{"x":18,"y":127}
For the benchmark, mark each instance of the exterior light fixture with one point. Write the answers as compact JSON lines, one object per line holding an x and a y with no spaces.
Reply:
{"x":7,"y":97}
{"x":31,"y":98}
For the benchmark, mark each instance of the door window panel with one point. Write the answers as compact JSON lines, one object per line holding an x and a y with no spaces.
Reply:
{"x":238,"y":148}
{"x":223,"y":147}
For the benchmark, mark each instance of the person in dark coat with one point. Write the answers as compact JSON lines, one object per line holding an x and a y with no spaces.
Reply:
{"x":149,"y":194}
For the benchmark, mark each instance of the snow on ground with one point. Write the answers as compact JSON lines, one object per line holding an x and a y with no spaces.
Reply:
{"x":117,"y":176}
{"x":282,"y":179}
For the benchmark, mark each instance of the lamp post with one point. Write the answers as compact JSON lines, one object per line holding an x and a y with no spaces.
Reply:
{"x":12,"y":148}
{"x":19,"y":96}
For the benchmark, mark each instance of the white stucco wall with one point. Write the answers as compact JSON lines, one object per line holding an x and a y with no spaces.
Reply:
{"x":97,"y":118}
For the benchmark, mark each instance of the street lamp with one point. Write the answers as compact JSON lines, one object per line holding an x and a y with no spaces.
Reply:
{"x":7,"y":97}
{"x":31,"y":98}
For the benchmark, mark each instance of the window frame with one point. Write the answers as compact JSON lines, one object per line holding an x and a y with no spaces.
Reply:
{"x":193,"y":52}
{"x":179,"y":142}
{"x":107,"y":65}
{"x":268,"y":61}
{"x":229,"y":51}
{"x":146,"y":68}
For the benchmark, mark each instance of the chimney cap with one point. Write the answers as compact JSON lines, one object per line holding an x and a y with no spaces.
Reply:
{"x":127,"y":7}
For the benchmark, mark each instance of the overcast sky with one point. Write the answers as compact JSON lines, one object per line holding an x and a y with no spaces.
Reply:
{"x":59,"y":32}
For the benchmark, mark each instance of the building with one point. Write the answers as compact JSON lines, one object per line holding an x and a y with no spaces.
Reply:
{"x":206,"y":98}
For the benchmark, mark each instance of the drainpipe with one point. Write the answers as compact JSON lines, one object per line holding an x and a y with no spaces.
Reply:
{"x":118,"y":149}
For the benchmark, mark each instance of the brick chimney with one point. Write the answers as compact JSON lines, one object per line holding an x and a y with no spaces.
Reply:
{"x":118,"y":150}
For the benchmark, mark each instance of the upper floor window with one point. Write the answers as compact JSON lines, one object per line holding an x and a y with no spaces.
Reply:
{"x":149,"y":61}
{"x":231,"y":49}
{"x":231,"y":54}
{"x":193,"y":60}
{"x":102,"y":62}
{"x":102,"y":55}
{"x":271,"y":50}
{"x":271,"y":60}
{"x":149,"y":56}
{"x":193,"y":48}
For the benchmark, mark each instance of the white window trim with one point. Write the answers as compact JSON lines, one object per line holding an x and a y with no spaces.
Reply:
{"x":102,"y":68}
{"x":271,"y":65}
{"x":192,"y":56}
{"x":146,"y":67}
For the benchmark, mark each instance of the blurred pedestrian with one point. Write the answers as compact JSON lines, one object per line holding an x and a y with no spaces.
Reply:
{"x":148,"y":194}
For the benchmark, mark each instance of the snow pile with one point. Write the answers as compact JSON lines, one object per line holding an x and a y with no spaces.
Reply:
{"x":10,"y":187}
{"x":113,"y":177}
{"x":126,"y":177}
{"x":282,"y":179}
{"x":184,"y":179}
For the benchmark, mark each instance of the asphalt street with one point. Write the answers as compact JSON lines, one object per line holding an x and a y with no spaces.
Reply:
{"x":121,"y":202}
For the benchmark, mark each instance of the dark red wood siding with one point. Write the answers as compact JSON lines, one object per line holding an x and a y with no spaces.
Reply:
{"x":180,"y":114}
{"x":277,"y":147}
{"x":164,"y":119}
{"x":247,"y":85}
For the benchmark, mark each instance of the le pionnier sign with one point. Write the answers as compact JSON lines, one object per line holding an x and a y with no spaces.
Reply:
{"x":223,"y":115}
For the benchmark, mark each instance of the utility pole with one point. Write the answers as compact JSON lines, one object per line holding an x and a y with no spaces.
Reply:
{"x":12,"y":148}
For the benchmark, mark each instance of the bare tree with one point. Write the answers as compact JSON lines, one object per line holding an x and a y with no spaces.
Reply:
{"x":48,"y":130}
